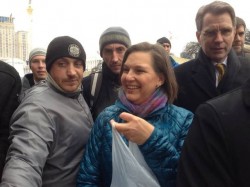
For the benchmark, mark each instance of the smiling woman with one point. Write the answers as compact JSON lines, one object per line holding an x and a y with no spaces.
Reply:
{"x":143,"y":114}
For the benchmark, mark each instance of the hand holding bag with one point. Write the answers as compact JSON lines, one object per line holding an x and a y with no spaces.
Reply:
{"x":128,"y":164}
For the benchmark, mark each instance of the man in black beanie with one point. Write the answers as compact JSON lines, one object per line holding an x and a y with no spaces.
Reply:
{"x":165,"y":42}
{"x":100,"y":88}
{"x":51,"y":126}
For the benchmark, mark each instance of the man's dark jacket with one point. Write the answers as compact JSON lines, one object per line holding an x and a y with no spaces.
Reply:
{"x":216,"y":151}
{"x":197,"y":82}
{"x":27,"y":81}
{"x":10,"y":84}
{"x":108,"y":91}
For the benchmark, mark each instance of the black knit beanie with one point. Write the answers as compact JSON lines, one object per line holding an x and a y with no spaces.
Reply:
{"x":64,"y":46}
{"x":114,"y":35}
{"x":163,"y":40}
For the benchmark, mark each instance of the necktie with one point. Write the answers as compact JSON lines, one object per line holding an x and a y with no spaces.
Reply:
{"x":221,"y":70}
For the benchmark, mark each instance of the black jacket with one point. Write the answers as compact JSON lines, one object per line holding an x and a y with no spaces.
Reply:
{"x":196,"y":79}
{"x":108,"y":91}
{"x":27,"y":83}
{"x":10,"y":84}
{"x":216,"y":151}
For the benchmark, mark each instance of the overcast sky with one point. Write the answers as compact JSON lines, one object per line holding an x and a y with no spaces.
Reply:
{"x":85,"y":20}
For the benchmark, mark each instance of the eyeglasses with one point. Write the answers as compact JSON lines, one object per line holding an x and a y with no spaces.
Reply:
{"x":213,"y":32}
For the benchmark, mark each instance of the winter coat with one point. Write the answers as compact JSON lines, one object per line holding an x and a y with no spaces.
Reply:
{"x":161,"y":151}
{"x":108,"y":91}
{"x":10,"y":84}
{"x":27,"y":81}
{"x":49,"y":131}
{"x":216,"y":151}
{"x":197,"y":81}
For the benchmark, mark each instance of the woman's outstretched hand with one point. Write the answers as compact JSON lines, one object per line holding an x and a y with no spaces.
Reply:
{"x":135,"y":129}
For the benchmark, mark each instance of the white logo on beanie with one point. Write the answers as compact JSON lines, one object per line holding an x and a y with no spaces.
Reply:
{"x":74,"y":50}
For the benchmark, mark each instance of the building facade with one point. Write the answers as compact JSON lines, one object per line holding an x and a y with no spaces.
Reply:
{"x":22,"y":45}
{"x":7,"y":37}
{"x":12,"y":44}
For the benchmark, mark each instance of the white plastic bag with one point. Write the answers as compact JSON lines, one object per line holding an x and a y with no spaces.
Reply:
{"x":128,"y":164}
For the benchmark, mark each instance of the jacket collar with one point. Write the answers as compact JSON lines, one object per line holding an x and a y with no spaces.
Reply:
{"x":203,"y":73}
{"x":108,"y":74}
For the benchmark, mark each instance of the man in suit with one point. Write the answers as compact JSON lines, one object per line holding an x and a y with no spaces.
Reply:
{"x":216,"y":150}
{"x":198,"y":79}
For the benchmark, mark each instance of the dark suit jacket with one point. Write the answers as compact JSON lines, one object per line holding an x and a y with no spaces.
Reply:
{"x":196,"y":79}
{"x":10,"y":84}
{"x":216,"y":151}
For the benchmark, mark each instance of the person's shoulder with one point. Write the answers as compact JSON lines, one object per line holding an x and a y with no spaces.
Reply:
{"x":87,"y":80}
{"x":110,"y":110}
{"x":243,"y":58}
{"x":29,"y":76}
{"x":179,"y":111}
{"x":8,"y":69}
{"x":184,"y":70}
{"x":38,"y":92}
{"x":179,"y":117}
{"x":186,"y":65}
{"x":226,"y":101}
{"x":108,"y":113}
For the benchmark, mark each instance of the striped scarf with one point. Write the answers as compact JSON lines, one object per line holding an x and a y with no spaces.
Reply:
{"x":156,"y":101}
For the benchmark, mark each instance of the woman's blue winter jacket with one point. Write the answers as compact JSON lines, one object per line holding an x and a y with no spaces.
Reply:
{"x":161,"y":151}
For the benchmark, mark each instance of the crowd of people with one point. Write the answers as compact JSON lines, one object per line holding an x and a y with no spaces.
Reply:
{"x":190,"y":121}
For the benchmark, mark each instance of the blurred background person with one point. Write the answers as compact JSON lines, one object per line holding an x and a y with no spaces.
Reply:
{"x":38,"y":67}
{"x":239,"y":39}
{"x":165,"y":42}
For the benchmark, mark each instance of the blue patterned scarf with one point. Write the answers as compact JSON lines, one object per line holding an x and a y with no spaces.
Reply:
{"x":156,"y":101}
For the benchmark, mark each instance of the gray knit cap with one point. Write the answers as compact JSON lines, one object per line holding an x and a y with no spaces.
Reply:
{"x":36,"y":52}
{"x":114,"y":35}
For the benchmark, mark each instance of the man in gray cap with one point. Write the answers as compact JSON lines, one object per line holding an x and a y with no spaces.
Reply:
{"x":38,"y":68}
{"x":100,"y":88}
{"x":51,"y":126}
